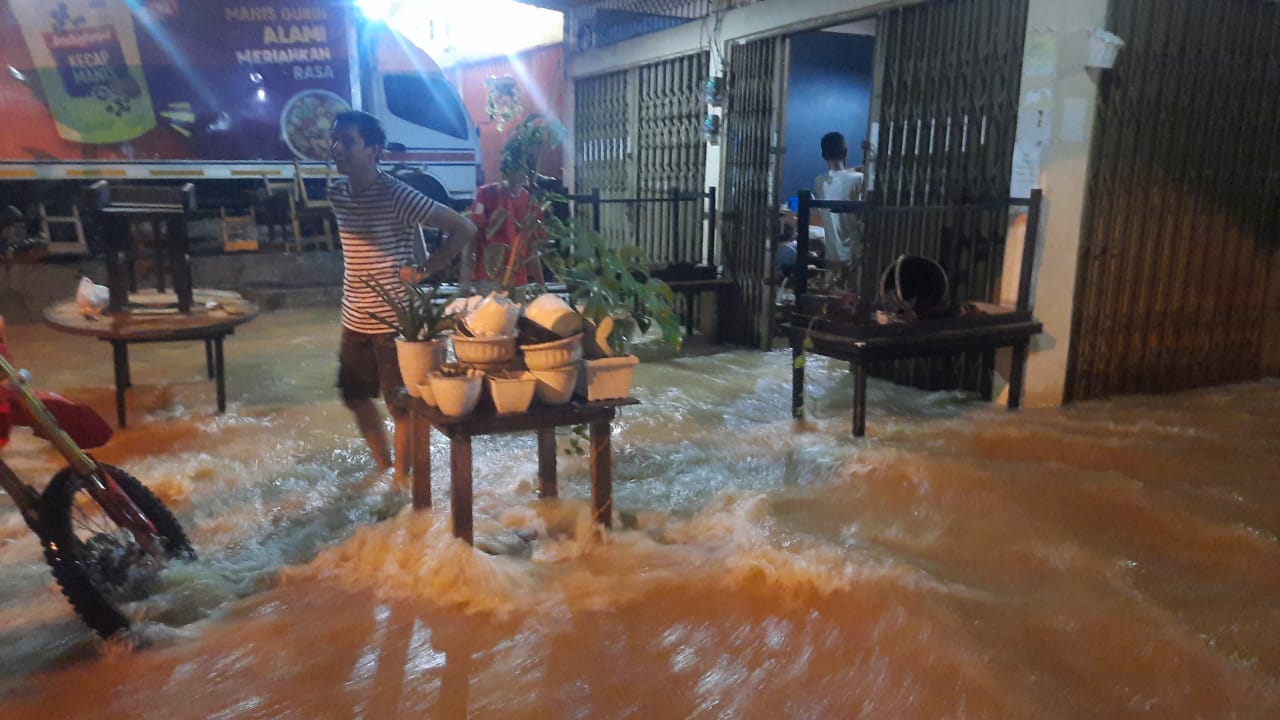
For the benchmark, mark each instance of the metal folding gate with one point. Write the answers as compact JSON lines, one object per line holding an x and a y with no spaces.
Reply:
{"x":672,"y":155}
{"x":948,"y":114}
{"x":603,"y":132}
{"x":751,"y":168}
{"x":639,"y":135}
{"x":1183,"y":211}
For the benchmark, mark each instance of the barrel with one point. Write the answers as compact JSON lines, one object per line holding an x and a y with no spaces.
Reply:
{"x":917,"y":282}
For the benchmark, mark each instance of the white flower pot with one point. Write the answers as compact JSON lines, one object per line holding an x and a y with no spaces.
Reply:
{"x":457,"y":395}
{"x":560,"y":353}
{"x":607,"y":378}
{"x":512,"y":393}
{"x":416,"y":359}
{"x":553,"y":313}
{"x":555,"y":385}
{"x":495,"y":315}
{"x":425,"y":392}
{"x":484,"y":350}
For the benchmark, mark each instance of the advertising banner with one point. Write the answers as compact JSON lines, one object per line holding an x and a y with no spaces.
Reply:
{"x":172,"y":79}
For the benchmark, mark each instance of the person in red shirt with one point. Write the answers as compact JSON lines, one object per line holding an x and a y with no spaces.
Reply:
{"x":506,"y":216}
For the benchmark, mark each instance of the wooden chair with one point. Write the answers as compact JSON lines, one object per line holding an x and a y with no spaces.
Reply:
{"x":287,"y":204}
{"x":279,"y":210}
{"x":79,"y":247}
{"x":239,"y":232}
{"x":308,"y":206}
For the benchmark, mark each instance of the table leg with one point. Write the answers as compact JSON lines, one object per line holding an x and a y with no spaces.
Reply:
{"x":1016,"y":370}
{"x":220,"y":374}
{"x":547,"y":463}
{"x":128,"y":376}
{"x":797,"y":379}
{"x":460,"y":480}
{"x":160,"y":243}
{"x":602,"y":471}
{"x":120,"y":359}
{"x":208,"y":357}
{"x":859,"y":397}
{"x":420,"y":446}
{"x":988,"y":367}
{"x":688,"y":313}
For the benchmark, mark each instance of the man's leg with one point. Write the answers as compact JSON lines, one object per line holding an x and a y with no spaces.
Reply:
{"x":393,"y":393}
{"x":369,"y":420}
{"x":358,"y":383}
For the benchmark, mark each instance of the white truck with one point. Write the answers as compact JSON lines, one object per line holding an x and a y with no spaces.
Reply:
{"x":214,"y":92}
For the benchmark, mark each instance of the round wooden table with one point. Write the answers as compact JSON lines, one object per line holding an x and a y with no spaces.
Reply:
{"x":153,"y":317}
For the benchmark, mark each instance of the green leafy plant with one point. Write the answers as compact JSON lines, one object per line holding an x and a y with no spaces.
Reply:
{"x":609,"y":281}
{"x":518,"y":165}
{"x":603,"y":280}
{"x":419,"y":314}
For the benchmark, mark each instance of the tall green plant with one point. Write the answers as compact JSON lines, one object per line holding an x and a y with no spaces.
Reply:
{"x":605,"y":280}
{"x":419,"y":316}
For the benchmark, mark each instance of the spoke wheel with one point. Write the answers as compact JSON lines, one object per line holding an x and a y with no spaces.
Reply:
{"x":99,"y":564}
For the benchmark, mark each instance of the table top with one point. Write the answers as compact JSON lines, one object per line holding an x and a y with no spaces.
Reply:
{"x":486,"y":421}
{"x":153,"y":316}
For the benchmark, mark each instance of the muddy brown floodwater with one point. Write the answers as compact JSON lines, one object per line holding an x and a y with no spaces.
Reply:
{"x":1112,"y":559}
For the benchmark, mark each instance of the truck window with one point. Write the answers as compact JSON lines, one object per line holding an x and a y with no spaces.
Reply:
{"x":426,"y":101}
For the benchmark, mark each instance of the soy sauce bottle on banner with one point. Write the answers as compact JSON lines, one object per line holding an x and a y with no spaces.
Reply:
{"x":86,"y":55}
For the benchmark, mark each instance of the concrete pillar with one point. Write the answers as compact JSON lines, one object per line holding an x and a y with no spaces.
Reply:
{"x":1058,"y":105}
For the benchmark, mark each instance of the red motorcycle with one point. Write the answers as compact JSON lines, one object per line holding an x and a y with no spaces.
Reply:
{"x":105,"y":535}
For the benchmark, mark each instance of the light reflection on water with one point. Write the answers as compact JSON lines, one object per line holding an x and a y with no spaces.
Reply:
{"x":1112,"y":559}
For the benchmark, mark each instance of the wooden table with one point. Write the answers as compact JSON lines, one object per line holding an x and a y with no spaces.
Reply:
{"x":995,"y":326}
{"x":691,"y":289}
{"x":543,"y":419}
{"x":152,"y":317}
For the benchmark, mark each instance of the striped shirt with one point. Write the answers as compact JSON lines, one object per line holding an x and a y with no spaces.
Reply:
{"x":377,"y":227}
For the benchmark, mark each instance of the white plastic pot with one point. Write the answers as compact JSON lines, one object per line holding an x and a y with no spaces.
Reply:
{"x":553,"y":313}
{"x":484,"y":350}
{"x":607,"y":378}
{"x":555,"y":385}
{"x":416,"y":359}
{"x":457,"y":396}
{"x":560,"y":353}
{"x":512,"y":393}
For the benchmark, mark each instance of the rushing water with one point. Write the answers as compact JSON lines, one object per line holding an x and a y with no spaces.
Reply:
{"x":1112,"y":559}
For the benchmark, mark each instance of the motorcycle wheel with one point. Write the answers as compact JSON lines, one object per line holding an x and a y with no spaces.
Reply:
{"x":99,"y":564}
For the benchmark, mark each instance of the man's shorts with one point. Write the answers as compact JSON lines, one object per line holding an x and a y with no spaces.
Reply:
{"x":367,"y":366}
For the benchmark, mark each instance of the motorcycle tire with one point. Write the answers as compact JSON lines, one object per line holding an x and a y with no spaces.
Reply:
{"x":94,"y":574}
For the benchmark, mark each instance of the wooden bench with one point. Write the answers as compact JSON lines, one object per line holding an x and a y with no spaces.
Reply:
{"x":984,"y":328}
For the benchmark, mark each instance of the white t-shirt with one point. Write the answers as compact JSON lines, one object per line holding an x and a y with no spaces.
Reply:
{"x":842,"y":229}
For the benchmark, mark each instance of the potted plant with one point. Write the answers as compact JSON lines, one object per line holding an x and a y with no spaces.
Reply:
{"x":421,"y":321}
{"x":612,"y":289}
{"x":456,"y":388}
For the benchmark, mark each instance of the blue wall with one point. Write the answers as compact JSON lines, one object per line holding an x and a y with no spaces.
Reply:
{"x":829,"y":89}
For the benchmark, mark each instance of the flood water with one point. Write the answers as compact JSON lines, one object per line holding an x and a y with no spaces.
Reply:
{"x":1114,"y":559}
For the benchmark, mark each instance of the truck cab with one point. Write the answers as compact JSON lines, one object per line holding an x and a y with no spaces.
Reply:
{"x":432,"y":143}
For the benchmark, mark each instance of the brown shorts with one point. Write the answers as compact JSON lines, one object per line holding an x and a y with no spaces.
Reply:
{"x":367,"y":366}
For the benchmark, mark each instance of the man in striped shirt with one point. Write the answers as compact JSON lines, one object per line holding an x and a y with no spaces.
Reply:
{"x":378,"y":218}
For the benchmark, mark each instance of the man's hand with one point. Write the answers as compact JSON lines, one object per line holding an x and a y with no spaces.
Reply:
{"x":412,"y":275}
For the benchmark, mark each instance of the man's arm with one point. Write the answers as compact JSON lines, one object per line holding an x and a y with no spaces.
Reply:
{"x":461,"y":234}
